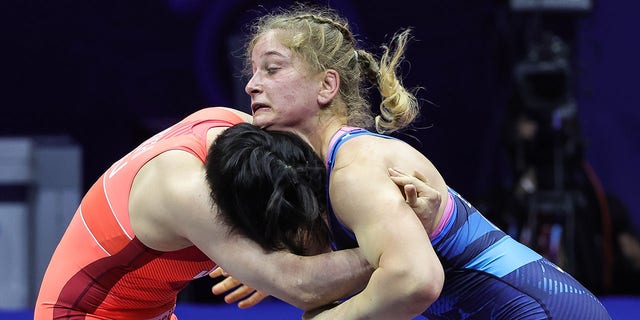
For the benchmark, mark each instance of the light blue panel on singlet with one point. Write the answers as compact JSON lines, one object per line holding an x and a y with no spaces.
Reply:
{"x":503,"y":257}
{"x":473,"y":229}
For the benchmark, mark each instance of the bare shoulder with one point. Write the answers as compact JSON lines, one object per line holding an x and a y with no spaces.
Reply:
{"x":362,"y":163}
{"x":366,"y":160}
{"x":245,"y":116}
{"x":381,"y":152}
{"x":361,"y":192}
{"x":364,"y":197}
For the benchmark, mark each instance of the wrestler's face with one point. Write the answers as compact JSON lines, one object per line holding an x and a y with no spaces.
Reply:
{"x":284,"y":95}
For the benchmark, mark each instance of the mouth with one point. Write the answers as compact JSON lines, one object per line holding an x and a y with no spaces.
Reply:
{"x":257,"y":106}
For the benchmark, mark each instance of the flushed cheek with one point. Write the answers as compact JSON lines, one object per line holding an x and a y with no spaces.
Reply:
{"x":285,"y":95}
{"x":290,"y":98}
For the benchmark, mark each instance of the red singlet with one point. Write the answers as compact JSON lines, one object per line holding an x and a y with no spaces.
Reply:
{"x":100,"y":270}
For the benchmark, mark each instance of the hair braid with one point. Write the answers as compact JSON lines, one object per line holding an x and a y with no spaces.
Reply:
{"x":398,"y":107}
{"x":324,"y":40}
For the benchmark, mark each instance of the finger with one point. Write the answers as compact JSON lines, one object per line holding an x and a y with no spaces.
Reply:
{"x":405,"y":180}
{"x":435,"y":198}
{"x":238,"y":294}
{"x":225,"y":285}
{"x":420,"y":176}
{"x":411,"y":194}
{"x":426,"y":191}
{"x":217,"y":272}
{"x":399,"y":174}
{"x":252,"y":300}
{"x":427,"y":196}
{"x":396,"y":172}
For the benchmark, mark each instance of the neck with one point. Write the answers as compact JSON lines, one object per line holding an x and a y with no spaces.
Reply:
{"x":319,"y":135}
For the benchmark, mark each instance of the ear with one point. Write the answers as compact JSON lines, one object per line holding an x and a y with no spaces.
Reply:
{"x":330,"y":86}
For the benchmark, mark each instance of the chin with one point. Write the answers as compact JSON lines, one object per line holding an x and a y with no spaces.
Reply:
{"x":261,"y":125}
{"x":259,"y":120}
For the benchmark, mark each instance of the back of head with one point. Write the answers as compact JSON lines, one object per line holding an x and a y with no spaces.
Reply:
{"x":325,"y":41}
{"x":269,"y":186}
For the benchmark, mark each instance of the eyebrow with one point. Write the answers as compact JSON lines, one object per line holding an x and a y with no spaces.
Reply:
{"x":273,"y":53}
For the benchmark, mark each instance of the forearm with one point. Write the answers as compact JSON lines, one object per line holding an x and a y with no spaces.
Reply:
{"x":306,"y":282}
{"x":388,"y":295}
{"x":312,"y":281}
{"x":408,"y":277}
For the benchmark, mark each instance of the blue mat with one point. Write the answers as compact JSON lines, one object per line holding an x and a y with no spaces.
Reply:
{"x":622,"y":307}
{"x":268,"y":309}
{"x":619,"y":307}
{"x":273,"y":309}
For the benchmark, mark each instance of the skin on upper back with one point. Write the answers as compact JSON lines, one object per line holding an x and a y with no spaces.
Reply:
{"x":163,"y":196}
{"x":152,"y":193}
{"x":168,"y":193}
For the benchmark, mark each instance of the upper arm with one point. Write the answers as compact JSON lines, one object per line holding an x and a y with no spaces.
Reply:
{"x":373,"y":207}
{"x":408,"y":275}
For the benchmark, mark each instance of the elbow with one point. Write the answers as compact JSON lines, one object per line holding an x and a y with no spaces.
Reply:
{"x":305,"y":300}
{"x":302,"y":297}
{"x":427,"y":293}
{"x":424,"y":289}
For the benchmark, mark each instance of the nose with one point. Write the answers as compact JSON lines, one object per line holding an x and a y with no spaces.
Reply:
{"x":252,"y":87}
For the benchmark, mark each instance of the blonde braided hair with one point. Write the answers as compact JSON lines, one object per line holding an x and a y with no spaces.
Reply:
{"x":325,"y":41}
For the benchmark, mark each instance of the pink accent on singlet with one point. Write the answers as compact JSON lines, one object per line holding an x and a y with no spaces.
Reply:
{"x":446,"y":215}
{"x":337,"y":136}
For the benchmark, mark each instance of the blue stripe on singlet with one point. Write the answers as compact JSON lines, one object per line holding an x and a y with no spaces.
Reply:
{"x":477,"y":239}
{"x":503,"y":257}
{"x":468,"y":233}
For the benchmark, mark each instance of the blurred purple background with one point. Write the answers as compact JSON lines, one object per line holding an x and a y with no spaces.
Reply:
{"x":110,"y":73}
